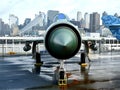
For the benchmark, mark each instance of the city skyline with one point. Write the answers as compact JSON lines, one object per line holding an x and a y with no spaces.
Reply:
{"x":28,"y":8}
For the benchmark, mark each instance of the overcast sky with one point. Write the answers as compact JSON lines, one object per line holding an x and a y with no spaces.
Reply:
{"x":28,"y":8}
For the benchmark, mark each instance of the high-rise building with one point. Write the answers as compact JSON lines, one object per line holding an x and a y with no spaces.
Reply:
{"x":50,"y":16}
{"x":94,"y":22}
{"x":13,"y":20}
{"x":27,"y":20}
{"x":1,"y":26}
{"x":7,"y":29}
{"x":79,"y":16}
{"x":82,"y":23}
{"x":87,"y":20}
{"x":4,"y":28}
{"x":42,"y":19}
{"x":104,"y":13}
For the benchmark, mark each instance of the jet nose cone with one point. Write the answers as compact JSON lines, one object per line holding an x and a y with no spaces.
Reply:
{"x":62,"y":42}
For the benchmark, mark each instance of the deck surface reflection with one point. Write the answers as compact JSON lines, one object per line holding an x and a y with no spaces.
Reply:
{"x":103,"y":73}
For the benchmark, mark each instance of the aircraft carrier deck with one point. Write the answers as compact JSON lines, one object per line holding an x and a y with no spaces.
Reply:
{"x":19,"y":73}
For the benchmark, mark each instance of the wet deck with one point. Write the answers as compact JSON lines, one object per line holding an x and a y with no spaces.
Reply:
{"x":103,"y":73}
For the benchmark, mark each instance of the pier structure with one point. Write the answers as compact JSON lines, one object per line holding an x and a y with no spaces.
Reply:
{"x":14,"y":45}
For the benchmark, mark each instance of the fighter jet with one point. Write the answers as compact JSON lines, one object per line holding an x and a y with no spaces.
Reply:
{"x":62,"y":41}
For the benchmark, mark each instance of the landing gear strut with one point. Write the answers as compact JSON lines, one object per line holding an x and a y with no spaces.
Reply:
{"x":62,"y":74}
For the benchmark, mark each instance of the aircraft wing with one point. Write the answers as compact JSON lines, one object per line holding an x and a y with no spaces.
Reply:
{"x":87,"y":38}
{"x":37,"y":39}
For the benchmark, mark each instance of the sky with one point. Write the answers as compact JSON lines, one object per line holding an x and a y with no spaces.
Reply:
{"x":28,"y":8}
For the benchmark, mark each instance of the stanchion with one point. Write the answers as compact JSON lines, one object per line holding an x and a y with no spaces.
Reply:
{"x":38,"y":60}
{"x":83,"y":63}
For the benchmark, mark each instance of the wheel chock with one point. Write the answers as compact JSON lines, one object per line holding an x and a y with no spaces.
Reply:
{"x":62,"y":82}
{"x":38,"y":64}
{"x":84,"y":64}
